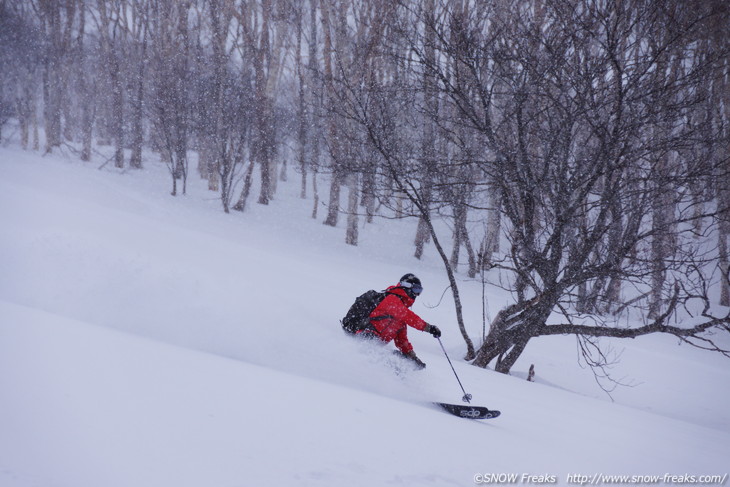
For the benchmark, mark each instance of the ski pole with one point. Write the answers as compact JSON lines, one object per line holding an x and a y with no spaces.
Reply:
{"x":467,"y":397}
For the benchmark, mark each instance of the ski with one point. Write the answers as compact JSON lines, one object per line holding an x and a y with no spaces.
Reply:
{"x":470,"y":412}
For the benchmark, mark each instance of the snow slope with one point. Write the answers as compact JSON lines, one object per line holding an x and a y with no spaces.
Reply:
{"x":147,"y":340}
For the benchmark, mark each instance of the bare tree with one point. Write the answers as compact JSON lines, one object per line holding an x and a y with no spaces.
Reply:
{"x":50,"y":15}
{"x":315,"y":103}
{"x":717,"y":113}
{"x":258,"y":25}
{"x":139,"y":27}
{"x":111,"y":24}
{"x":430,"y":123}
{"x":225,"y":97}
{"x":579,"y":116}
{"x":333,"y":137}
{"x":588,"y":135}
{"x":171,"y":108}
{"x":86,"y":86}
{"x":20,"y":65}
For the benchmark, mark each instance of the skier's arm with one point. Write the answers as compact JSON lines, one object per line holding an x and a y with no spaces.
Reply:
{"x":402,"y":313}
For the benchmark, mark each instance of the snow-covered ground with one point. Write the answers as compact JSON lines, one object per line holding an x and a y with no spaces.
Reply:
{"x":147,"y":340}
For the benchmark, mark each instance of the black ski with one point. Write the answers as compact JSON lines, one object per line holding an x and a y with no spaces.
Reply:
{"x":470,"y":412}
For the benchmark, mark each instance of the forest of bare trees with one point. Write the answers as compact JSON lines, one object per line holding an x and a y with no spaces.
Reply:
{"x":577,"y":149}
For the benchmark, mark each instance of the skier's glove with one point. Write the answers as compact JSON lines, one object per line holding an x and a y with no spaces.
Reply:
{"x":416,"y":360}
{"x":433,"y":330}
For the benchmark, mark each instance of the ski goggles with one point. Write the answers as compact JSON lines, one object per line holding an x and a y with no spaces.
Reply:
{"x":415,"y":288}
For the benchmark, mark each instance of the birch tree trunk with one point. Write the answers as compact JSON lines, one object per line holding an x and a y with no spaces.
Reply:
{"x":428,"y":140}
{"x":87,"y":89}
{"x":111,"y":30}
{"x":50,"y":18}
{"x":333,"y":208}
{"x":315,"y":103}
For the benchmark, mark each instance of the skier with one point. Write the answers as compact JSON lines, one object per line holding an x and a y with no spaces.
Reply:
{"x":392,"y":317}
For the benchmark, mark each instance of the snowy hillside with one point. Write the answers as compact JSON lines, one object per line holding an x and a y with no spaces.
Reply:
{"x":154,"y":341}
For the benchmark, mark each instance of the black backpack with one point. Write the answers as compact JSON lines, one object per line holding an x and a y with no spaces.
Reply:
{"x":356,"y":318}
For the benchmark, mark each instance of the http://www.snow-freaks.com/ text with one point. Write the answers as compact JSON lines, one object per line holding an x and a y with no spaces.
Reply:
{"x":599,"y":479}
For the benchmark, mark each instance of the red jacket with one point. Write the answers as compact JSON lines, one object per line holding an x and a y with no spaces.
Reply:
{"x":392,"y":317}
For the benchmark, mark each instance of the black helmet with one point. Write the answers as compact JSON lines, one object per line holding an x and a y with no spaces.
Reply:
{"x":411,"y":284}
